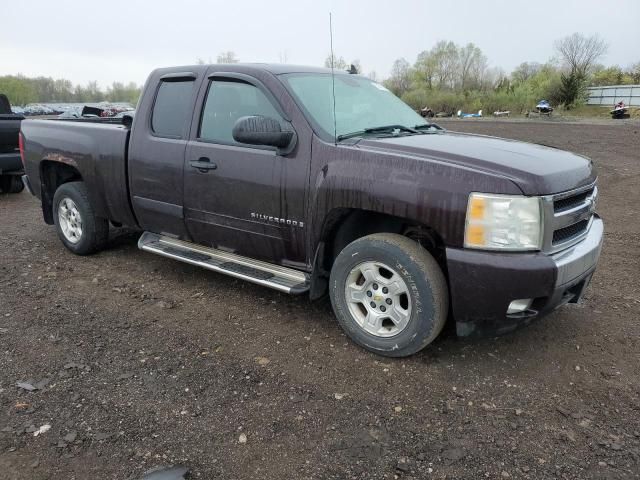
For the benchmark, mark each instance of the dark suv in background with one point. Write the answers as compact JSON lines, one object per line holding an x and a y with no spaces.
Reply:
{"x":10,"y":164}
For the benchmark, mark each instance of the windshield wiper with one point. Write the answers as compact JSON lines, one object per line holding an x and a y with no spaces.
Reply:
{"x":428,"y":126}
{"x":382,"y":129}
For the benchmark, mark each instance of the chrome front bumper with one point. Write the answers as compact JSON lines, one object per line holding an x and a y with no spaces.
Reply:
{"x":581,"y":257}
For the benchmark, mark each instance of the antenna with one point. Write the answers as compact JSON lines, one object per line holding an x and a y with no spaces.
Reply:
{"x":333,"y":83}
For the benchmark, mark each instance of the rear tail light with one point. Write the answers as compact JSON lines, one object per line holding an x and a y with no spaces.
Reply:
{"x":21,"y":147}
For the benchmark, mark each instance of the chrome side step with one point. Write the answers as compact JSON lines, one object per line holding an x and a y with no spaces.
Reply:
{"x":279,"y":278}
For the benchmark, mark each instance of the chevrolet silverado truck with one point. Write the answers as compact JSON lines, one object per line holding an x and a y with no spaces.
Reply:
{"x":10,"y":164}
{"x":310,"y":182}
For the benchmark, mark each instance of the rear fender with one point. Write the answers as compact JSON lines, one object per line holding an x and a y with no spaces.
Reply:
{"x":54,"y":173}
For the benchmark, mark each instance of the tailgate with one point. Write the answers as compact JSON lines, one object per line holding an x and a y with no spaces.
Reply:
{"x":9,"y":128}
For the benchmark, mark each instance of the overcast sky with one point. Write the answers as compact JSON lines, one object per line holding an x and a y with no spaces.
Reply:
{"x":123,"y":40}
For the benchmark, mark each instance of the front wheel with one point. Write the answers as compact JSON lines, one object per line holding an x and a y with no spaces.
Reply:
{"x":389,"y":294}
{"x":80,"y":230}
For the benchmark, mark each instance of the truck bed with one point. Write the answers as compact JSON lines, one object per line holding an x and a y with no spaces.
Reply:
{"x":95,"y":148}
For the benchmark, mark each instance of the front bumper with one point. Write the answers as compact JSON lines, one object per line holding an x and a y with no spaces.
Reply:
{"x":483,"y":284}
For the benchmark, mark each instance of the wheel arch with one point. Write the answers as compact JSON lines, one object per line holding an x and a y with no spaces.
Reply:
{"x":344,"y":225}
{"x":52,"y":175}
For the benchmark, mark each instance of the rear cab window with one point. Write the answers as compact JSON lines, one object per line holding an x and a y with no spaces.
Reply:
{"x":172,"y":108}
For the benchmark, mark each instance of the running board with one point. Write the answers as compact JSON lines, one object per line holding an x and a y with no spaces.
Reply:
{"x":279,"y":278}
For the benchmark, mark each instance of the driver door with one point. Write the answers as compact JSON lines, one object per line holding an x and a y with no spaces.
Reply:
{"x":243,"y":198}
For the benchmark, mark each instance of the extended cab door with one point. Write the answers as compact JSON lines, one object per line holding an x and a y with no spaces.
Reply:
{"x":157,"y":149}
{"x":242,"y":198}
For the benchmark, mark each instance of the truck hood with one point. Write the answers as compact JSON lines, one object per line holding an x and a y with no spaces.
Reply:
{"x":536,"y":169}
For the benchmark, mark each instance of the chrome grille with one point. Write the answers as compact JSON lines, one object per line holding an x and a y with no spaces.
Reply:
{"x":568,"y":203}
{"x":567,"y":217}
{"x":567,"y":233}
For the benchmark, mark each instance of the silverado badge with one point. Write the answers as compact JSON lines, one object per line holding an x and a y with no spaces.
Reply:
{"x":281,"y":221}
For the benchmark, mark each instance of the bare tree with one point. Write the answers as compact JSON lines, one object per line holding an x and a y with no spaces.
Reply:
{"x":445,"y":55}
{"x":525,"y":71}
{"x":400,"y":78}
{"x":425,"y":68}
{"x":438,"y":66}
{"x":492,"y":78}
{"x":479,"y":72}
{"x":339,"y":63}
{"x":227,"y":57}
{"x":634,"y":72}
{"x":472,"y":64}
{"x":580,"y":53}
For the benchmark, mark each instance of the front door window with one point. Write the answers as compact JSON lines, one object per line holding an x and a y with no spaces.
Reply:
{"x":226,"y":102}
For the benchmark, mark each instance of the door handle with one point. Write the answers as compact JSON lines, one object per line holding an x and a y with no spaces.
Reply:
{"x":203,"y":164}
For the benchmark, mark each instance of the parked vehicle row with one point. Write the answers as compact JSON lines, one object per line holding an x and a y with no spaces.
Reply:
{"x":71,"y":110}
{"x":310,"y":182}
{"x":543,"y":107}
{"x":39,"y":109}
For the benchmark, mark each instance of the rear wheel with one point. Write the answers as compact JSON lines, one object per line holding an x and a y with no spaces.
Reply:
{"x":389,"y":294}
{"x":80,"y":230}
{"x":11,"y":184}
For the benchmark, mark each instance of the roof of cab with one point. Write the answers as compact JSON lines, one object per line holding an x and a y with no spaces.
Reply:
{"x":281,"y":68}
{"x":274,"y":68}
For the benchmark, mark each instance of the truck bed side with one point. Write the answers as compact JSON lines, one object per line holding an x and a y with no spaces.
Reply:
{"x":93,"y":152}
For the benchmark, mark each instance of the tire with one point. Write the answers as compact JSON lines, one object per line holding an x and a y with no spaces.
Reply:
{"x":11,"y":184}
{"x":15,"y":184}
{"x":376,"y":268}
{"x":4,"y":183}
{"x":78,"y":227}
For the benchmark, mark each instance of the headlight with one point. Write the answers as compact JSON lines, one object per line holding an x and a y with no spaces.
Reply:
{"x":503,"y":222}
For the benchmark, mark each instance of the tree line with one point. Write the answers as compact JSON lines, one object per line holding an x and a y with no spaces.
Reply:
{"x":449,"y":77}
{"x":22,"y":90}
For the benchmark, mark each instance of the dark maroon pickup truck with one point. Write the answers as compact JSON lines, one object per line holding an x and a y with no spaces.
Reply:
{"x":250,"y":170}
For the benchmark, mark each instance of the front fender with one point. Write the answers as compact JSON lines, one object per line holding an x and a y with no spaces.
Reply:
{"x":429,"y":193}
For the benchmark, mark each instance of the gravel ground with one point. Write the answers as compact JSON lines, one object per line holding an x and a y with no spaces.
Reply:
{"x":136,"y":361}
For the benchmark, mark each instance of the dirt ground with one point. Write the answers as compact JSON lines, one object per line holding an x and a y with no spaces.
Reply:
{"x":138,"y":361}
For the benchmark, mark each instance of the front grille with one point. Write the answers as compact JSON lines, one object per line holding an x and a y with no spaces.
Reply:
{"x":567,"y":233}
{"x":571,"y":202}
{"x":567,"y":217}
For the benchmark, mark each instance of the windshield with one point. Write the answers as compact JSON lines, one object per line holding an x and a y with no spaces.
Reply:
{"x":360,"y":103}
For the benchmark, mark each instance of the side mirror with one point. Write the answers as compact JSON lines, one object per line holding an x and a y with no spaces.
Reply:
{"x":259,"y":130}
